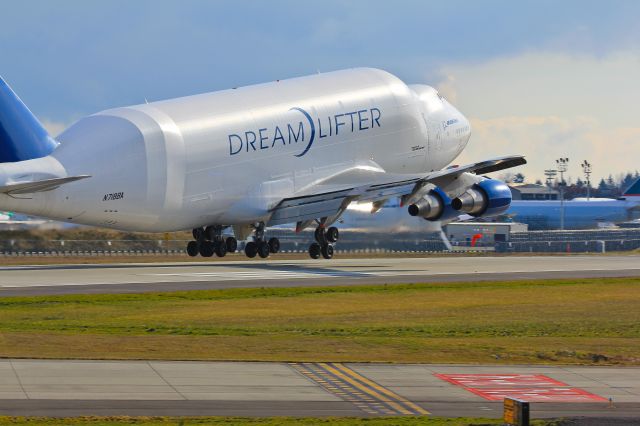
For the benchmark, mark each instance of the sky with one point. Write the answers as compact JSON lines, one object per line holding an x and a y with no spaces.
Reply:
{"x":546,"y":79}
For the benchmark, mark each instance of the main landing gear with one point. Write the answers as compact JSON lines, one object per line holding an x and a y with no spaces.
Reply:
{"x":209,"y":241}
{"x":260,"y":246}
{"x":325,"y":238}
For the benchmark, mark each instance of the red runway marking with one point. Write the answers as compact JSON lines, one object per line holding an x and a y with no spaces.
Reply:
{"x":528,"y":387}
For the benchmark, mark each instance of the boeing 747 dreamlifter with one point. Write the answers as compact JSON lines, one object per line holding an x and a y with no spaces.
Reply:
{"x":295,"y":151}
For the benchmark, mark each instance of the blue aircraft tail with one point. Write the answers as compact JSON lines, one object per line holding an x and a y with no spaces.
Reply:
{"x":22,"y":137}
{"x":633,"y":190}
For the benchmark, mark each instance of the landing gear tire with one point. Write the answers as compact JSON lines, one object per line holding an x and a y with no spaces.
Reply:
{"x":198,"y":234}
{"x":263,"y":249}
{"x":327,"y":251}
{"x":221,"y":249}
{"x":232,"y":244}
{"x":315,"y":250}
{"x":207,"y":248}
{"x":320,"y":236}
{"x":274,"y":245}
{"x":210,"y":233}
{"x":251,"y":249}
{"x":332,"y":234}
{"x":192,"y":248}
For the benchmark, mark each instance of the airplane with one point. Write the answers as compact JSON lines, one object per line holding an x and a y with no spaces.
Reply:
{"x":579,"y":213}
{"x":296,"y":151}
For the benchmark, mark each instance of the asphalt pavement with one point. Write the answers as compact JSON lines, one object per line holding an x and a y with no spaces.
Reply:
{"x":136,"y":388}
{"x":145,"y":277}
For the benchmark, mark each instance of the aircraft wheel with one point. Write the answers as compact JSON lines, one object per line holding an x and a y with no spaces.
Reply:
{"x":314,"y":250}
{"x":221,"y":249}
{"x":251,"y":249}
{"x":210,"y":233}
{"x":232,"y":244}
{"x":198,"y":234}
{"x":332,"y":234}
{"x":263,"y":249}
{"x":320,"y":236}
{"x":327,"y":251}
{"x":192,"y":248}
{"x":207,"y":249}
{"x":274,"y":245}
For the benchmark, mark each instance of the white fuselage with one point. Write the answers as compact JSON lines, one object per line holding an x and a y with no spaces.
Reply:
{"x":218,"y":158}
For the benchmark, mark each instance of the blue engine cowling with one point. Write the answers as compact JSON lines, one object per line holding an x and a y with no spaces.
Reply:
{"x":435,"y":205}
{"x":488,"y":197}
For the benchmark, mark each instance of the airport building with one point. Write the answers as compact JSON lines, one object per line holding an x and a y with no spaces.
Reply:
{"x":481,"y":234}
{"x":531,"y":191}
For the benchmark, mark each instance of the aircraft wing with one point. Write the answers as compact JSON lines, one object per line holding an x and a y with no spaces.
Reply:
{"x":379,"y":186}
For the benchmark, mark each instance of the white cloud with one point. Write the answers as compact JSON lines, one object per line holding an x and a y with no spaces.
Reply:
{"x":54,"y":127}
{"x":549,"y":105}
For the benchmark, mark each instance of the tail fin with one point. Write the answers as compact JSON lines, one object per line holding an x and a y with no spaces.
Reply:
{"x":22,"y":137}
{"x":633,"y":190}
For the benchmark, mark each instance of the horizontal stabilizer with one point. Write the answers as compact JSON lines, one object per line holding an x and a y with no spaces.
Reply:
{"x":38,"y":185}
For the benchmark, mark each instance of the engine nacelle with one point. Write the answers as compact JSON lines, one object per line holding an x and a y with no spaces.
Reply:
{"x":435,"y":205}
{"x":489,"y":197}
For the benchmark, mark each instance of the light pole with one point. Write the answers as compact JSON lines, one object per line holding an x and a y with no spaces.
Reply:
{"x":550,"y":174}
{"x":586,"y":168}
{"x":562,"y":164}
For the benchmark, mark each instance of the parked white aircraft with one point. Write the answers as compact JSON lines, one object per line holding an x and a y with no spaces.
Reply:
{"x":292,"y":151}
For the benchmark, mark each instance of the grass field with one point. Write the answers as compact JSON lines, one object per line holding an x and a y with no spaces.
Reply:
{"x":163,"y":421}
{"x":582,"y":321}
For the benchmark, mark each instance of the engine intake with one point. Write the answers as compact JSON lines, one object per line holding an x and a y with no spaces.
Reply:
{"x":489,"y":197}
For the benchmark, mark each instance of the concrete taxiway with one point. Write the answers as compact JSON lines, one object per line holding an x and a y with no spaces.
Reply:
{"x":72,"y":388}
{"x":121,"y":278}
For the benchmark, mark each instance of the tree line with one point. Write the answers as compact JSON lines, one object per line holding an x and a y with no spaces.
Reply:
{"x":610,"y":187}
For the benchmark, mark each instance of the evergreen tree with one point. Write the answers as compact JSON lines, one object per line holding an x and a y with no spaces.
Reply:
{"x":518,"y":178}
{"x":602,"y":186}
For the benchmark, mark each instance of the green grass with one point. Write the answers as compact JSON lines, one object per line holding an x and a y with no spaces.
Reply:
{"x":230,"y":421}
{"x":542,"y":321}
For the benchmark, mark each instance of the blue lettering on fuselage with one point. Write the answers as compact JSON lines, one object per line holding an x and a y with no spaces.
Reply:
{"x":448,"y":123}
{"x":304,"y":131}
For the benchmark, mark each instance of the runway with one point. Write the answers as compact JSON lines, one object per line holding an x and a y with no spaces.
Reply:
{"x":73,"y":388}
{"x":144,"y":277}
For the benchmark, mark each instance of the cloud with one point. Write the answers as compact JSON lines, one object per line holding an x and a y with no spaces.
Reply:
{"x":551,"y":105}
{"x":54,"y":127}
{"x":542,"y":139}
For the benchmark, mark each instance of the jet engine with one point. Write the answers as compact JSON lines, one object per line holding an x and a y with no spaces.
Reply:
{"x":488,"y":197}
{"x":435,"y":205}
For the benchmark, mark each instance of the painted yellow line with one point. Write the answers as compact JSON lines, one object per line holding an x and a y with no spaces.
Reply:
{"x":373,"y":393}
{"x":356,"y":376}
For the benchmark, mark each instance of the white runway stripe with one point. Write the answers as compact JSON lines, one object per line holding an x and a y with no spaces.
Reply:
{"x":267,"y":275}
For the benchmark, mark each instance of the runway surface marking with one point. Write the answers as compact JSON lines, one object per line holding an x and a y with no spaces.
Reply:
{"x":364,"y":393}
{"x":528,"y":387}
{"x":274,"y":275}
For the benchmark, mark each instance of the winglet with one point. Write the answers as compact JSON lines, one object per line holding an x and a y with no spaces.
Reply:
{"x":22,"y":137}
